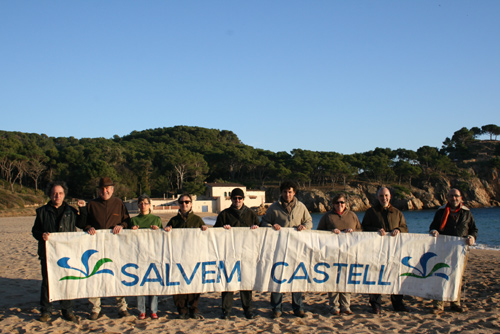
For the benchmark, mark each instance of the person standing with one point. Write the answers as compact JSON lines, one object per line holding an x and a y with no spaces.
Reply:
{"x":186,"y":219}
{"x":384,"y":218}
{"x":102,"y":213}
{"x":146,"y":220}
{"x":340,"y":219}
{"x":237,"y":215}
{"x":455,"y":219}
{"x":55,"y":216}
{"x":287,"y":212}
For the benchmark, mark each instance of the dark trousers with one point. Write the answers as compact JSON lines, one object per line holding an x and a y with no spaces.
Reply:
{"x":187,"y":302}
{"x":376,"y":301}
{"x":277,"y":301}
{"x":66,"y":305}
{"x":245,"y":297}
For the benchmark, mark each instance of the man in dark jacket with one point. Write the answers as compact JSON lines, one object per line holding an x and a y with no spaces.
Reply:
{"x":455,"y":219}
{"x":55,"y":216}
{"x":384,"y":218}
{"x":105,"y":212}
{"x":237,"y":215}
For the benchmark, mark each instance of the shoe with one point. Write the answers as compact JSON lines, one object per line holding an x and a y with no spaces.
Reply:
{"x":276,"y":315}
{"x":348,"y":312}
{"x":183,"y":316}
{"x":69,"y":316}
{"x":154,"y":316}
{"x":225,"y":316}
{"x":457,"y":308}
{"x":300,"y":314}
{"x":95,"y":315}
{"x":438,"y":310}
{"x":335,"y":312}
{"x":376,"y":310}
{"x":45,"y":317}
{"x":142,"y":316}
{"x":124,"y":314}
{"x":250,"y":315}
{"x":401,"y":308}
{"x":196,"y":315}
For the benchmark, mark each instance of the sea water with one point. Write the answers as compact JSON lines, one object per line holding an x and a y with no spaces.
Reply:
{"x":487,"y":223}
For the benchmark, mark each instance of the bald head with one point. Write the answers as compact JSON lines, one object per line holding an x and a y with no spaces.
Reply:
{"x":384,"y":197}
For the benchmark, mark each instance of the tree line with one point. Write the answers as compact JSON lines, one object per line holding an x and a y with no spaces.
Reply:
{"x":183,"y":158}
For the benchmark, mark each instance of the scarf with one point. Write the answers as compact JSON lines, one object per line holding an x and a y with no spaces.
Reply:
{"x":288,"y":207}
{"x":444,"y":219}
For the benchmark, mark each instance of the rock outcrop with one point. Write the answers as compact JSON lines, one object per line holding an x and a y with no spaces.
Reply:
{"x":428,"y":195}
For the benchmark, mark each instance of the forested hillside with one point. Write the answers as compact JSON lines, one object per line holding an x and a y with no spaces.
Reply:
{"x":170,"y":160}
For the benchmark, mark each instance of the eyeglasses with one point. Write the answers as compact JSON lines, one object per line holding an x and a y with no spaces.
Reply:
{"x":184,"y":202}
{"x":340,"y":202}
{"x":237,"y":198}
{"x":144,"y":203}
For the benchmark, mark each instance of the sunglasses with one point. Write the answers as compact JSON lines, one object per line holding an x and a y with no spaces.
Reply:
{"x":184,"y":202}
{"x":239,"y":198}
{"x":340,"y":202}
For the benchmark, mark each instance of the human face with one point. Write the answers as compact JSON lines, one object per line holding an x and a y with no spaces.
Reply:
{"x":106,"y":192}
{"x":339,"y":205}
{"x":144,"y":207}
{"x":454,"y":198}
{"x":288,"y":194}
{"x":237,"y":201}
{"x":185,"y":204}
{"x":57,"y":196}
{"x":384,"y":197}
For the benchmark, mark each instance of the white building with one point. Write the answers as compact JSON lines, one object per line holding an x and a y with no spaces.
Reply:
{"x":217,"y":198}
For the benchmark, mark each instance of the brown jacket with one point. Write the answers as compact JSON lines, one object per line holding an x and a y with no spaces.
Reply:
{"x":389,"y":219}
{"x":102,"y":215}
{"x":332,"y":220}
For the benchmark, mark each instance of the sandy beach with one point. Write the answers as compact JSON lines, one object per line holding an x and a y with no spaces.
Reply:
{"x":20,"y":280}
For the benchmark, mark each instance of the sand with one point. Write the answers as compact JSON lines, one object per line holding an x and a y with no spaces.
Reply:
{"x":20,"y":280}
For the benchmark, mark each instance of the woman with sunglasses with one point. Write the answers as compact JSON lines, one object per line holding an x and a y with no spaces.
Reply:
{"x":146,"y":220}
{"x":186,"y":219}
{"x":340,"y":219}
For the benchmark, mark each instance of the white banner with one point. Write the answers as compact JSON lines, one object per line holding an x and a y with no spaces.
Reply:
{"x":147,"y":262}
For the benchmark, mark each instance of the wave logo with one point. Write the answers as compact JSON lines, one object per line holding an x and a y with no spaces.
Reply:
{"x":423,"y":263}
{"x":63,"y":262}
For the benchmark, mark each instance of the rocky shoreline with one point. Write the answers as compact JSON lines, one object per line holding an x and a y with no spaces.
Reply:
{"x":478,"y":193}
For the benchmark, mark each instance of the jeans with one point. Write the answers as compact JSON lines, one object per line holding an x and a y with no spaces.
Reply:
{"x":152,"y":301}
{"x":277,"y":301}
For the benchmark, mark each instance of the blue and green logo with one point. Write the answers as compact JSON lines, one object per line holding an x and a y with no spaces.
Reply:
{"x":63,"y":262}
{"x":423,"y":263}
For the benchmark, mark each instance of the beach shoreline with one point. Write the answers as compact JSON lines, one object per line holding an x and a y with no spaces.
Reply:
{"x":20,"y":280}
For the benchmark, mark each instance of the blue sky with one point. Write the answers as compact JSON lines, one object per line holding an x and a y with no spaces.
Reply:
{"x":343,"y":76}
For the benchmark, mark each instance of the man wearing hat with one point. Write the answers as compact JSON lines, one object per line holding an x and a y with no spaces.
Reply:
{"x":102,"y":213}
{"x":237,"y":215}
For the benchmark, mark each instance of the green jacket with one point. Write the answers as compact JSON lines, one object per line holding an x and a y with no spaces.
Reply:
{"x":146,"y":221}
{"x":192,"y":221}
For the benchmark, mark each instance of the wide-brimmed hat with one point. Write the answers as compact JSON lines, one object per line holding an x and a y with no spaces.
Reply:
{"x":105,"y":182}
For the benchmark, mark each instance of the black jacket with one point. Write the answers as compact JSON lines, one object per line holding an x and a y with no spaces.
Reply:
{"x":47,"y":221}
{"x":464,"y":226}
{"x":244,"y":217}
